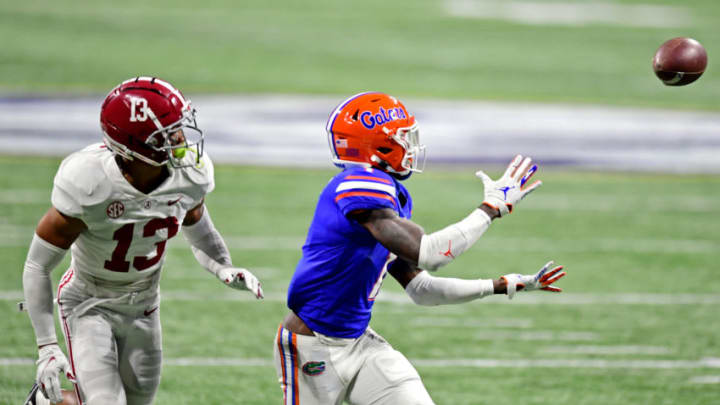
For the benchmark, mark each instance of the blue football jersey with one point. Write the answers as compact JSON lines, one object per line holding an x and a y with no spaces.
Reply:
{"x":342,"y":265}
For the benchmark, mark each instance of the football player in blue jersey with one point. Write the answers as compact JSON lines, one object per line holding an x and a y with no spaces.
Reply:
{"x":325,"y":353}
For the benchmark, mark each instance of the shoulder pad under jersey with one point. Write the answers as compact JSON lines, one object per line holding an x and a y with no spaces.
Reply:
{"x":81,"y":180}
{"x":201,"y":174}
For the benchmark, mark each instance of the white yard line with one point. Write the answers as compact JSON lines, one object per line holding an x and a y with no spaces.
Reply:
{"x":16,"y":361}
{"x":19,"y":236}
{"x":571,"y":13}
{"x":570,"y":363}
{"x":606,"y":350}
{"x":537,"y":336}
{"x":617,"y":203}
{"x":556,"y":202}
{"x":444,"y":322}
{"x":705,"y":379}
{"x":24,"y":196}
{"x":443,"y":363}
{"x":387,"y":297}
{"x":595,"y":245}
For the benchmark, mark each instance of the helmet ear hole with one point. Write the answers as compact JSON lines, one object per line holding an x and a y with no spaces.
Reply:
{"x":384,"y":150}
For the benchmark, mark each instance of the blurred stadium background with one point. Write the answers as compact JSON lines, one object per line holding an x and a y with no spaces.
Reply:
{"x":630,"y":203}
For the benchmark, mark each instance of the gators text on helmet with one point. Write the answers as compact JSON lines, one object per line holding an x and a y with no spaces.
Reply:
{"x":375,"y":130}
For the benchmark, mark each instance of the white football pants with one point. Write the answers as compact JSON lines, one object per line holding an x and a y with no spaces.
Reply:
{"x":114,"y":342}
{"x":321,"y":370}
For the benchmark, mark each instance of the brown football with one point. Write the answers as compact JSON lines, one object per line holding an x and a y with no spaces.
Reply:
{"x":680,"y":61}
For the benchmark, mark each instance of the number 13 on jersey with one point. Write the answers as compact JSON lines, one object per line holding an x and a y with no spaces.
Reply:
{"x":124,"y":236}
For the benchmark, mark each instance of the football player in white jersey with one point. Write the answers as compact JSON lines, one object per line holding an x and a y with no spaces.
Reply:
{"x":115,"y":205}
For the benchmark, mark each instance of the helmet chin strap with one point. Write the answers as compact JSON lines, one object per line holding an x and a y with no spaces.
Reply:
{"x":128,"y":154}
{"x":385,"y":166}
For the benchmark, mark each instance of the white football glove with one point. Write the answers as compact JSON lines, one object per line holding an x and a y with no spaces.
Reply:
{"x":503,"y":194}
{"x":51,"y":362}
{"x":241,"y":279}
{"x":541,"y":280}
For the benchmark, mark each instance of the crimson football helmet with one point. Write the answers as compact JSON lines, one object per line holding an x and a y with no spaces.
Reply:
{"x":375,"y":130}
{"x":148,"y":119}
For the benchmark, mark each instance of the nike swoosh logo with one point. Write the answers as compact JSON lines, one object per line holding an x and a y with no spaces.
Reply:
{"x":147,"y":313}
{"x":174,"y":201}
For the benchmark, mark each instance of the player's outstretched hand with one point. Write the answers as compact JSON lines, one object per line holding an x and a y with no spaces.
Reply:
{"x":542,"y":280}
{"x":506,"y":192}
{"x":241,"y":279}
{"x":51,"y":363}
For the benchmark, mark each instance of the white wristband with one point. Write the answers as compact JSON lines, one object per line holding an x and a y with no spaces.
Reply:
{"x":441,"y":247}
{"x":425,"y":289}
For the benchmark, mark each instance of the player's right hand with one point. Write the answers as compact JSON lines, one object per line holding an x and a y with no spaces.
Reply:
{"x":542,"y":280}
{"x":506,"y":192}
{"x":241,"y":279}
{"x":51,"y":362}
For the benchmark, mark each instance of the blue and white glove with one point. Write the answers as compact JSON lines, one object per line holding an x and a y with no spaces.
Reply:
{"x":506,"y":192}
{"x":241,"y":279}
{"x":51,"y":362}
{"x":541,"y":280}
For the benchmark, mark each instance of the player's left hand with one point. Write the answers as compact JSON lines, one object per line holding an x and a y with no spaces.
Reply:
{"x":241,"y":279}
{"x":506,"y":192}
{"x":50,"y":365}
{"x":542,"y":280}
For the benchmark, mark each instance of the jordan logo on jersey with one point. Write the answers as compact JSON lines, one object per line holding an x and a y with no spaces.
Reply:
{"x":448,"y":253}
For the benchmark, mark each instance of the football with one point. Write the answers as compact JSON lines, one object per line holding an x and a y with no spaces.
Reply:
{"x":680,"y":61}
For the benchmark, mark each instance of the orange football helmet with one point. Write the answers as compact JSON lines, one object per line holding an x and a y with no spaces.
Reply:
{"x":375,"y":130}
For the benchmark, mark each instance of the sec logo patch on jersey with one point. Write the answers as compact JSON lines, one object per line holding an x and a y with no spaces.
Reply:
{"x":115,"y":209}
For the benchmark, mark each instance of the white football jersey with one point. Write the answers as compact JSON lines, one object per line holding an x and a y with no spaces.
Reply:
{"x":125,"y":242}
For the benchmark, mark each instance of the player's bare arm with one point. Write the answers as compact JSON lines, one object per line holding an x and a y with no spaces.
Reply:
{"x":194,"y":215}
{"x":401,"y":236}
{"x":431,"y":251}
{"x":59,"y":229}
{"x":414,"y":248}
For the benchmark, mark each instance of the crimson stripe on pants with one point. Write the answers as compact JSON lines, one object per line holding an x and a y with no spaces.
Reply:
{"x":68,"y":339}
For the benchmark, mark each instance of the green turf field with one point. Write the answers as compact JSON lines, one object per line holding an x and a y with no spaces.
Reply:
{"x":404,"y":47}
{"x":638,"y":316}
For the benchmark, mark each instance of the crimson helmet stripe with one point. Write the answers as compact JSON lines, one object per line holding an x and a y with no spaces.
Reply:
{"x":154,"y":118}
{"x":169,"y":87}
